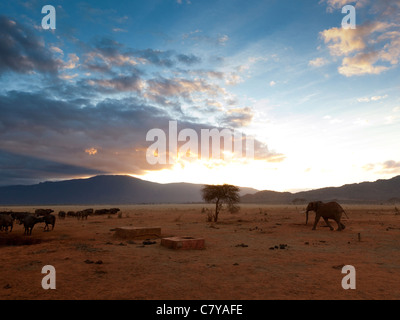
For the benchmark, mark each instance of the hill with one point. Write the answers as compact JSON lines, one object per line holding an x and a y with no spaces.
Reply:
{"x":120,"y":190}
{"x":103,"y":190}
{"x":366,"y":192}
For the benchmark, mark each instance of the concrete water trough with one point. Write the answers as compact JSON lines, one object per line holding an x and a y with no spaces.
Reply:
{"x":139,"y":233}
{"x":183,"y":243}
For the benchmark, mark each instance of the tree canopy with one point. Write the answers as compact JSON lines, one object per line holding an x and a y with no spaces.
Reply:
{"x":221,"y":194}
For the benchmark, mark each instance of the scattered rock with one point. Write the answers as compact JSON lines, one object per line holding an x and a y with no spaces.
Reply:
{"x":88,"y":261}
{"x":281,"y":246}
{"x":339,"y":267}
{"x":242,"y":245}
{"x":7,"y":286}
{"x":236,"y":264}
{"x":149,"y":242}
{"x":100,"y":272}
{"x":99,"y":262}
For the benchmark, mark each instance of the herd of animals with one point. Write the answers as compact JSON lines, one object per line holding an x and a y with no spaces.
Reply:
{"x":46,"y":216}
{"x":330,"y":210}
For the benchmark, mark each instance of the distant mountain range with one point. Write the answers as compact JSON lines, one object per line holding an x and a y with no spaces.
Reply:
{"x":101,"y":190}
{"x":119,"y":190}
{"x":381,"y":191}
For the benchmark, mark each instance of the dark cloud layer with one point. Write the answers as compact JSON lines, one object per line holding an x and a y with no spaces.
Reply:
{"x":98,"y":122}
{"x":70,"y":136}
{"x":22,"y":51}
{"x":23,"y":169}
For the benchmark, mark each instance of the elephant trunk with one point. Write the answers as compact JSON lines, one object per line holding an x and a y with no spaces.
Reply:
{"x":307,"y":217}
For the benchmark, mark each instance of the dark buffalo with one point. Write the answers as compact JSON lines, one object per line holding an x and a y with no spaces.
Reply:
{"x":29,"y":223}
{"x":49,"y":220}
{"x":6,"y":221}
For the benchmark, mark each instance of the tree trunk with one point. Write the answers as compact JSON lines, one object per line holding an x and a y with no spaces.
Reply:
{"x":216,"y":211}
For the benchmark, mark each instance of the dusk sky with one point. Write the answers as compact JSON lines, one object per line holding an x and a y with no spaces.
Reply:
{"x":322,"y":102}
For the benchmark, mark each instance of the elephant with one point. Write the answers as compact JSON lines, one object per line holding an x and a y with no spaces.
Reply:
{"x":330,"y":210}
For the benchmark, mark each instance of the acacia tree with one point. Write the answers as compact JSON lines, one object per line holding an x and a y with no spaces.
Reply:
{"x":220,"y":195}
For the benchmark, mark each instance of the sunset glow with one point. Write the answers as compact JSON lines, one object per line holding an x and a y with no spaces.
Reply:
{"x":322,"y":102}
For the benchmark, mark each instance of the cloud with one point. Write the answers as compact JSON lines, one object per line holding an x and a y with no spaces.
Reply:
{"x":386,"y":167}
{"x":106,"y":56}
{"x":374,"y":46}
{"x":119,"y":30}
{"x":131,"y":83}
{"x":181,"y":88}
{"x":68,"y":136}
{"x":156,"y":57}
{"x":338,"y":4}
{"x":63,"y":131}
{"x":72,"y":63}
{"x":232,"y":79}
{"x":19,"y":169}
{"x":198,"y":36}
{"x":391,"y":164}
{"x":22,"y":51}
{"x":373,"y":98}
{"x":91,"y":151}
{"x":317,"y":62}
{"x":237,"y":117}
{"x":188,"y":59}
{"x":361,"y":64}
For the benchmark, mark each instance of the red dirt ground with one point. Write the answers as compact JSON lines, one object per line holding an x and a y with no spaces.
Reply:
{"x":237,"y":263}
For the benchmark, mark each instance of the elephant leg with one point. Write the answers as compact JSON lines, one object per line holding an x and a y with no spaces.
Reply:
{"x":340,"y":225}
{"x":327,"y":223}
{"x":317,"y":217}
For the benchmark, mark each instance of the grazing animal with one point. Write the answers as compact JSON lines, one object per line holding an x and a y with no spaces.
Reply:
{"x":43,"y":212}
{"x":61,"y":214}
{"x":101,"y":212}
{"x":84,"y":214}
{"x":29,"y":223}
{"x":107,"y":211}
{"x":71,"y":214}
{"x":330,"y":210}
{"x":5,"y":222}
{"x":114,"y":210}
{"x":49,"y":219}
{"x":19,"y":216}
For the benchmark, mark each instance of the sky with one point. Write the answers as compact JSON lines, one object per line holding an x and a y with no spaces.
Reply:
{"x":321,"y":102}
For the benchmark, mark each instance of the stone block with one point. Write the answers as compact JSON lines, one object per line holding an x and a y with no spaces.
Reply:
{"x":138,"y":233}
{"x":183,"y":243}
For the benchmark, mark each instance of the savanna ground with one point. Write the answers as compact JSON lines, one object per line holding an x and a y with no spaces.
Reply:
{"x":237,"y":263}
